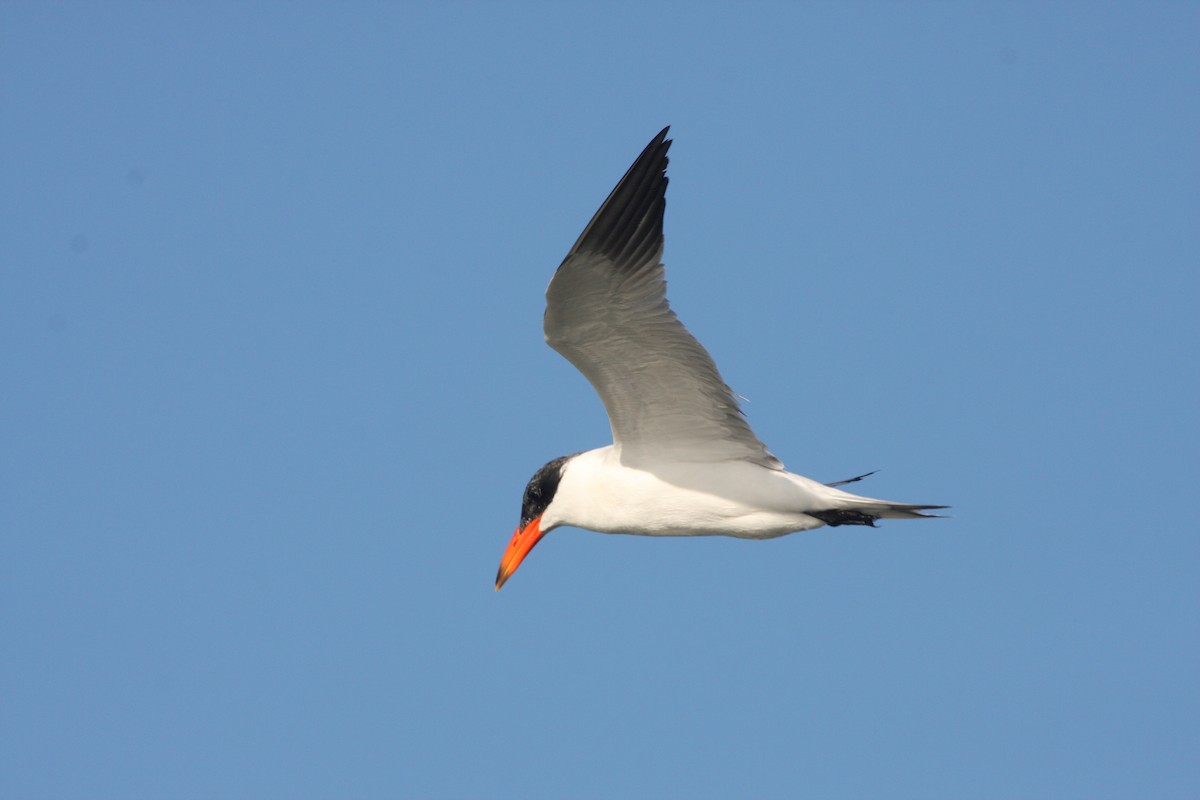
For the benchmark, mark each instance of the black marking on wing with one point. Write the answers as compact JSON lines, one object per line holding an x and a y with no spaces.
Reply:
{"x":628,"y":228}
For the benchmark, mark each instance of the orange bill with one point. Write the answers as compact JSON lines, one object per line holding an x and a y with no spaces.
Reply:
{"x":522,"y":542}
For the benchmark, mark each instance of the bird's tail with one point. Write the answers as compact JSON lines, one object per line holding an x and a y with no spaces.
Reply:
{"x":908,"y":511}
{"x":854,"y":510}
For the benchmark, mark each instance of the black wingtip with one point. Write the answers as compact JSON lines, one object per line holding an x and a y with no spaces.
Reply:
{"x":628,"y":226}
{"x":855,"y":479}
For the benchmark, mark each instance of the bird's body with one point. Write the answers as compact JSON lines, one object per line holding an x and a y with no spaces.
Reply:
{"x":683,"y":462}
{"x":731,"y":498}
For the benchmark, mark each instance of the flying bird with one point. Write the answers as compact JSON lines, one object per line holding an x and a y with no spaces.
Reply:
{"x":683,"y":461}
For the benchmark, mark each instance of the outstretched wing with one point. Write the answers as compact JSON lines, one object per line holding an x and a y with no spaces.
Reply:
{"x":607,"y":313}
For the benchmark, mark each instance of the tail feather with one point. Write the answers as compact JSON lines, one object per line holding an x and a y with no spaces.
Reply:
{"x":909,"y":511}
{"x":865,"y":513}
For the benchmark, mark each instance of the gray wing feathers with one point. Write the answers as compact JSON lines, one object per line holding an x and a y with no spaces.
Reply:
{"x":607,"y":313}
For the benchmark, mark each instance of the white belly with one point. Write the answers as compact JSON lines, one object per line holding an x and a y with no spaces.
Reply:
{"x":725,"y":499}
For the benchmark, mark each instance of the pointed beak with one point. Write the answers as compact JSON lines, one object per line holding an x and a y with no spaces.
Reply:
{"x":522,"y":542}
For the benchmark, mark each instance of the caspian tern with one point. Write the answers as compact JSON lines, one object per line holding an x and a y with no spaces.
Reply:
{"x":683,"y":461}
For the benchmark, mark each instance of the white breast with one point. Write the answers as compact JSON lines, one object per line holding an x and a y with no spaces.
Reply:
{"x":733,"y":498}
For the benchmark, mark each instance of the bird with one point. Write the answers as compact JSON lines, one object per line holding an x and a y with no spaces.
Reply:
{"x":683,"y":459}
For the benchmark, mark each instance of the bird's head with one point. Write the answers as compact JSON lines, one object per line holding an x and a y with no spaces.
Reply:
{"x":539,"y":494}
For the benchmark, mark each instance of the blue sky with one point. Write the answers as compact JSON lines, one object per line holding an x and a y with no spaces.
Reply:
{"x":270,"y":301}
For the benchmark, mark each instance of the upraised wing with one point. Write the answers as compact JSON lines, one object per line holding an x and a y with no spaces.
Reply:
{"x":607,"y":313}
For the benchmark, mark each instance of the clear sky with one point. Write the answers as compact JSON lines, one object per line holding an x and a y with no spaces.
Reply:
{"x":271,"y":286}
